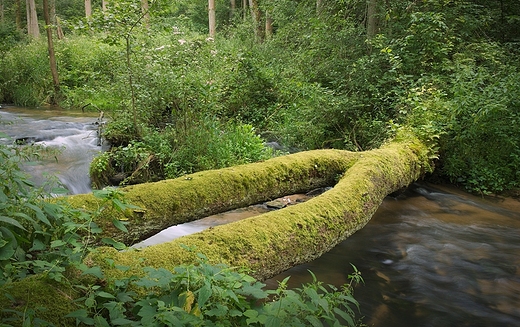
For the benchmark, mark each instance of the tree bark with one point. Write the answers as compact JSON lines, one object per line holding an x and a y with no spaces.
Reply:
{"x":88,"y":8}
{"x":104,"y":4}
{"x":212,"y":18}
{"x":17,"y":14}
{"x":372,"y":20}
{"x":256,"y":16}
{"x":232,"y":9}
{"x":146,"y":13}
{"x":52,"y":55}
{"x":268,"y":25}
{"x":32,"y":19}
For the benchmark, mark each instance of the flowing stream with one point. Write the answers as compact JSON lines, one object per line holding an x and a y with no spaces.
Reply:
{"x":72,"y":133}
{"x":433,"y":256}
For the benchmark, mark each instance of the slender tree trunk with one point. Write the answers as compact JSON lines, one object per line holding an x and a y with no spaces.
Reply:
{"x":256,"y":15}
{"x":18,"y":14}
{"x":372,"y":23}
{"x":212,"y":18}
{"x":32,"y":19}
{"x":268,"y":25}
{"x":145,"y":8}
{"x":244,"y":9}
{"x":319,"y":6}
{"x":1,"y":11}
{"x":52,"y":55}
{"x":55,"y":20}
{"x":233,"y":8}
{"x":88,"y":8}
{"x":104,"y":4}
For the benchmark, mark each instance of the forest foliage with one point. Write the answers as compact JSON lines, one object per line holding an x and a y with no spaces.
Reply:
{"x":180,"y":102}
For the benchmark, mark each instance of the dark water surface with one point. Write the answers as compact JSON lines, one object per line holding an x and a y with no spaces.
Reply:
{"x":430,"y":258}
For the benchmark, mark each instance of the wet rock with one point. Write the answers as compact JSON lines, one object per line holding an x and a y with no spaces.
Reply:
{"x":276,"y":204}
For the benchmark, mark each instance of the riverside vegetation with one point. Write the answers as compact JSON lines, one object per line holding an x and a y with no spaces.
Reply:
{"x":179,"y":102}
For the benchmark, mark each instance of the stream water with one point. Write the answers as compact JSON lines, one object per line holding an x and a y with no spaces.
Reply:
{"x":433,"y":256}
{"x":72,"y":133}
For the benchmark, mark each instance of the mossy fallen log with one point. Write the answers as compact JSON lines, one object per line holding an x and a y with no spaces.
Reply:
{"x":267,"y":244}
{"x":176,"y":201}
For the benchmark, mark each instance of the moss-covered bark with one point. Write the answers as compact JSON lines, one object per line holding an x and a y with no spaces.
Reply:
{"x":269,"y":243}
{"x":172,"y":202}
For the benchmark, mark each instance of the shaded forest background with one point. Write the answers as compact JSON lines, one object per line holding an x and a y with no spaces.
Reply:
{"x":340,"y":74}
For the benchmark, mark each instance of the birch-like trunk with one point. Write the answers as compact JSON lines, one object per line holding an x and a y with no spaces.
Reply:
{"x":88,"y":8}
{"x":372,"y":23}
{"x":32,"y":19}
{"x":145,"y":8}
{"x":212,"y":18}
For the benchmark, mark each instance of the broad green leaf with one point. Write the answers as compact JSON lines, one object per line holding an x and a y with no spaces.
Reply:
{"x":314,"y":321}
{"x":39,"y":214}
{"x":115,"y":244}
{"x":81,"y":315}
{"x":57,"y":243}
{"x":100,"y":321}
{"x":94,"y":271}
{"x":204,"y":294}
{"x":272,"y":321}
{"x":120,"y":225}
{"x":345,"y":316}
{"x":105,"y":295}
{"x":11,"y":221}
{"x":6,"y":252}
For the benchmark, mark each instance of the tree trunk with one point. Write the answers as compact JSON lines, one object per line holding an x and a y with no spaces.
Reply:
{"x":212,"y":18}
{"x":52,"y":55}
{"x":32,"y":19}
{"x":104,"y":5}
{"x":88,"y":8}
{"x":18,"y":14}
{"x":268,"y":244}
{"x":268,"y":25}
{"x":232,"y":9}
{"x":256,"y":15}
{"x":146,"y":13}
{"x":244,"y":9}
{"x":372,"y":21}
{"x":2,"y":11}
{"x":319,"y":5}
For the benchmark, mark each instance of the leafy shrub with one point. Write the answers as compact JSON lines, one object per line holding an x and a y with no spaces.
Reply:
{"x":214,"y":295}
{"x":173,"y":152}
{"x":481,"y":147}
{"x":24,"y":75}
{"x":38,"y":236}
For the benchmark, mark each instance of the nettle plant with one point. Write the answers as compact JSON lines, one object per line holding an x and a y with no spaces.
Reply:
{"x":214,"y":295}
{"x":38,"y":234}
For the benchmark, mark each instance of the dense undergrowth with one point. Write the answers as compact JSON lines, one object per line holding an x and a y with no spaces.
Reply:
{"x":179,"y":102}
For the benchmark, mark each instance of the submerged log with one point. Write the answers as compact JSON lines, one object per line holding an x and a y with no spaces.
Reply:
{"x":267,"y":244}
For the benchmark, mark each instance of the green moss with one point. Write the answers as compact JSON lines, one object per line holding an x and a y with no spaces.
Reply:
{"x":266,"y":244}
{"x":171,"y":202}
{"x":52,"y":301}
